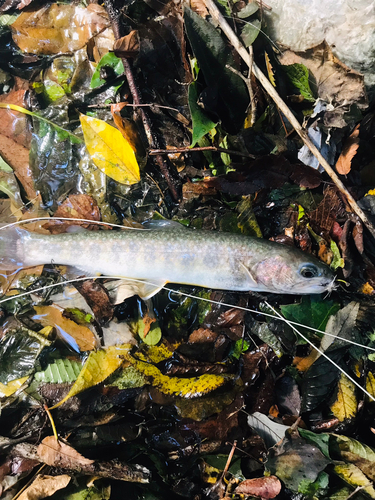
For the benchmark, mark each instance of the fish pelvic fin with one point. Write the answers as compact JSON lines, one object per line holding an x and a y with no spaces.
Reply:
{"x":11,"y":247}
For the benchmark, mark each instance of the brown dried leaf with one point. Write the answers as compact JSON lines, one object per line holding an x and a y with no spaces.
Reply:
{"x":199,"y":7}
{"x":127,"y":46}
{"x":344,"y":163}
{"x":13,"y":124}
{"x":323,"y":217}
{"x":336,"y":83}
{"x":202,"y":335}
{"x":17,"y":157}
{"x":264,"y":487}
{"x":76,"y":206}
{"x":97,"y":298}
{"x":129,"y":131}
{"x":44,"y":486}
{"x":59,"y":454}
{"x":58,"y":28}
{"x":67,"y":329}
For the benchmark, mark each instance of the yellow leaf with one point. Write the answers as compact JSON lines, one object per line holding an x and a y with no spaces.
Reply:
{"x":370,"y":384}
{"x":345,"y":406}
{"x":67,"y":329}
{"x":110,"y":151}
{"x":99,"y":366}
{"x":193,"y":387}
{"x":11,"y":387}
{"x":270,"y":71}
{"x":355,"y":477}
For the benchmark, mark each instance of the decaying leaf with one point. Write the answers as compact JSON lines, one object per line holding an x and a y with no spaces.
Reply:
{"x":345,"y":406}
{"x":77,"y":336}
{"x":343,"y":164}
{"x":99,"y":366}
{"x":110,"y":151}
{"x":44,"y":486}
{"x":58,"y":28}
{"x":355,"y":452}
{"x":355,"y":477}
{"x":59,"y":454}
{"x":127,"y":46}
{"x":263,"y":487}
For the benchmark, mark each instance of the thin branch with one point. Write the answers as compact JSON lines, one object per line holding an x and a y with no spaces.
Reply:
{"x":202,"y":148}
{"x":220,"y":20}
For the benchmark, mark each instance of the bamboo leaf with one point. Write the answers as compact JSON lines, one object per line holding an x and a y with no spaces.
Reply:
{"x":99,"y":366}
{"x":110,"y":151}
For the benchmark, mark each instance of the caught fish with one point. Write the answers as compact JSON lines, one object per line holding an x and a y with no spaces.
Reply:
{"x":172,"y":253}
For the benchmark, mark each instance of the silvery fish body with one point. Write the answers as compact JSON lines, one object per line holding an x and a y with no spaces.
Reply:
{"x":178,"y":255}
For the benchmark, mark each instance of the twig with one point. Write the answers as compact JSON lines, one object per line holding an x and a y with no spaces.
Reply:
{"x":202,"y":148}
{"x":114,"y":16}
{"x":220,"y":20}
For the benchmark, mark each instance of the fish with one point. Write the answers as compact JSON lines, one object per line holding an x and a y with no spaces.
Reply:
{"x":167,"y":252}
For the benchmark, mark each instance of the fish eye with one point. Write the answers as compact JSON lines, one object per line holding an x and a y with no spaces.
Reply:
{"x":309,"y":271}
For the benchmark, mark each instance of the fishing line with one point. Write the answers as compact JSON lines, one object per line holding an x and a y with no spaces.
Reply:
{"x":322,"y":353}
{"x":210,"y":301}
{"x":35,"y":219}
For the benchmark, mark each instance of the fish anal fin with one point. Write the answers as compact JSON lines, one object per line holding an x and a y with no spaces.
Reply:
{"x":120,"y":290}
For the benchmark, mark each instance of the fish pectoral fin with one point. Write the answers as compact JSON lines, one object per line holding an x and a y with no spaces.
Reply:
{"x":250,"y":275}
{"x":120,"y":290}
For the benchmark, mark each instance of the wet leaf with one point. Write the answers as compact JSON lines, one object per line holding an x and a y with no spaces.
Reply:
{"x":79,"y":337}
{"x":213,"y":56}
{"x":271,"y":432}
{"x":344,"y":163}
{"x":110,"y":151}
{"x":99,"y":366}
{"x":11,"y":387}
{"x":59,"y":454}
{"x":264,"y":487}
{"x":250,"y":31}
{"x":44,"y":486}
{"x":345,"y":406}
{"x":298,"y":75}
{"x":288,"y":462}
{"x":58,"y":28}
{"x":127,"y":46}
{"x":18,"y":351}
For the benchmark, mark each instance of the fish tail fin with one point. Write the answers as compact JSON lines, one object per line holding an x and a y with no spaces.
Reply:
{"x":11,"y":247}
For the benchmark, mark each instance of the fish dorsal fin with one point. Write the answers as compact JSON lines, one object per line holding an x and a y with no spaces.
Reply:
{"x":163,"y":224}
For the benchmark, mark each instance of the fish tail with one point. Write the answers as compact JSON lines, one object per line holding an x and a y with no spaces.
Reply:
{"x":12,"y":247}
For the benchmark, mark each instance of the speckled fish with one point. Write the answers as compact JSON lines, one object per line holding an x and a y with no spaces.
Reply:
{"x":175,"y":254}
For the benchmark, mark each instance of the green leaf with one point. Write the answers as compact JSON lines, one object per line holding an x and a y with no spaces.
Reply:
{"x":108,"y":60}
{"x":202,"y":124}
{"x":337,"y":261}
{"x":61,"y":371}
{"x":248,"y":10}
{"x":312,"y":311}
{"x":250,"y":32}
{"x":298,"y":75}
{"x":320,"y":440}
{"x":214,"y":55}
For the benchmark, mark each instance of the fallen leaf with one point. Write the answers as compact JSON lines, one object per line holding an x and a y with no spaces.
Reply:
{"x":344,"y":162}
{"x":59,"y":454}
{"x":58,"y":28}
{"x":127,"y":46}
{"x":270,"y":71}
{"x":75,"y":335}
{"x":264,"y":487}
{"x":336,"y":83}
{"x":345,"y":406}
{"x":79,"y":206}
{"x":97,"y":298}
{"x":11,"y":387}
{"x":44,"y":486}
{"x":99,"y":366}
{"x":110,"y":151}
{"x":129,"y":130}
{"x":13,"y":124}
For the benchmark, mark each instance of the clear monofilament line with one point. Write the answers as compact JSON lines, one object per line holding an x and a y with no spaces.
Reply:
{"x":322,"y":353}
{"x":216,"y":302}
{"x":89,"y":221}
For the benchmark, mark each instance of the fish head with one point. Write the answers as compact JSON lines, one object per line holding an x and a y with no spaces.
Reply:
{"x":293,"y":273}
